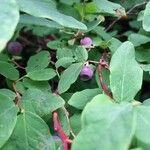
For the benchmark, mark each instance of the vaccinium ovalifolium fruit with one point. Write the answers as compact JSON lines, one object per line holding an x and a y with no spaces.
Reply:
{"x":14,"y":48}
{"x":86,"y":73}
{"x":86,"y":41}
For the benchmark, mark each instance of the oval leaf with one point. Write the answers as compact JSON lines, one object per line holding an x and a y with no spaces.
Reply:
{"x":125,"y":73}
{"x":42,"y":75}
{"x":8,"y":71}
{"x":38,"y":61}
{"x":69,"y":76}
{"x":80,"y":99}
{"x":8,"y":118}
{"x":33,"y":133}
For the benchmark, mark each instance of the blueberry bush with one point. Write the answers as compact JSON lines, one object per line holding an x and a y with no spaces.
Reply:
{"x":74,"y":75}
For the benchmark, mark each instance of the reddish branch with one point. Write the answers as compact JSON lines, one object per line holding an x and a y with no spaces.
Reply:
{"x":17,"y":65}
{"x":103,"y":63}
{"x":61,"y":134}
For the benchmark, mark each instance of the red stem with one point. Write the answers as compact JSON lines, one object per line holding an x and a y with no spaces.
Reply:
{"x":60,"y":132}
{"x":104,"y":64}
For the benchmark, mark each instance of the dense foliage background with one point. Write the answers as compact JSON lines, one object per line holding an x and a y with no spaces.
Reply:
{"x":74,"y":74}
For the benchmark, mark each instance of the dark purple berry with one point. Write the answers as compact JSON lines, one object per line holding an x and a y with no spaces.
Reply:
{"x":14,"y":48}
{"x":86,"y":73}
{"x":86,"y":41}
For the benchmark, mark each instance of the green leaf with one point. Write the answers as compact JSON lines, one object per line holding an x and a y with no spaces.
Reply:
{"x":33,"y":133}
{"x":80,"y":99}
{"x":64,"y":52}
{"x":41,"y":103}
{"x":146,"y":67}
{"x":113,"y":44}
{"x":41,"y":85}
{"x":146,"y":21}
{"x":138,"y":39}
{"x":68,"y":77}
{"x":48,"y":10}
{"x":38,"y":61}
{"x":93,"y":24}
{"x":42,"y":75}
{"x":100,"y":116}
{"x":8,"y":93}
{"x":8,"y":71}
{"x":125,"y":73}
{"x":143,"y":127}
{"x":8,"y":118}
{"x":75,"y":122}
{"x":9,"y":15}
{"x":64,"y":62}
{"x":142,"y":55}
{"x":102,"y":137}
{"x":31,"y":20}
{"x":55,"y":44}
{"x":99,"y":108}
{"x":106,"y":6}
{"x":81,"y":54}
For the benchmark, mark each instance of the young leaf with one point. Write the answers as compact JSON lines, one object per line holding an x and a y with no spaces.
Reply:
{"x":38,"y":61}
{"x":42,"y":75}
{"x":80,"y":99}
{"x":69,"y":76}
{"x":8,"y":118}
{"x":8,"y":70}
{"x":146,"y":20}
{"x":48,"y":10}
{"x":125,"y":73}
{"x":33,"y":133}
{"x":9,"y":14}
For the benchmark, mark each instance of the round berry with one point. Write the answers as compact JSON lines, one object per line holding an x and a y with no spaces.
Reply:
{"x":14,"y":48}
{"x":86,"y":41}
{"x":86,"y":73}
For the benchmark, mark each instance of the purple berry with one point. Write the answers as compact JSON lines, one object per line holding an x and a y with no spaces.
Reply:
{"x":86,"y":73}
{"x":86,"y":41}
{"x":14,"y":48}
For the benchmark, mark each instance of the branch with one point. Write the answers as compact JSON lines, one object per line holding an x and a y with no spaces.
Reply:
{"x":128,"y":12}
{"x":104,"y":64}
{"x":61,"y":134}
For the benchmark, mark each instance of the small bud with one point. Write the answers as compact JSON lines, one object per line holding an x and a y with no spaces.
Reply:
{"x":86,"y":41}
{"x":86,"y":73}
{"x":14,"y":48}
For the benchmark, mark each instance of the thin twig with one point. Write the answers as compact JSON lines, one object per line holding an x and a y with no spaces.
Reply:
{"x":128,"y":12}
{"x":17,"y":65}
{"x":67,"y":117}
